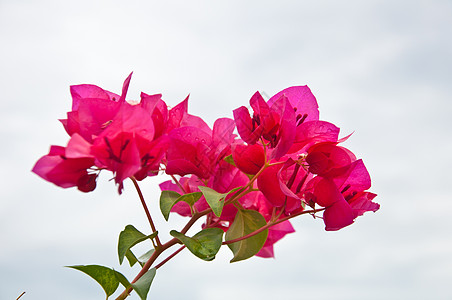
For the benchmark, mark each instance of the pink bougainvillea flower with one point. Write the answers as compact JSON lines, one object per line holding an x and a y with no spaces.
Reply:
{"x":344,"y":196}
{"x":93,"y":108}
{"x":251,"y":129}
{"x":126,"y":140}
{"x":275,"y":123}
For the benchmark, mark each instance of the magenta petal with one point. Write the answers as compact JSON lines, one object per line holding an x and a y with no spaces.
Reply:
{"x":287,"y":126}
{"x":61,"y":171}
{"x":245,"y":126}
{"x":149,"y":102}
{"x":355,"y":179}
{"x":222,"y":133}
{"x":92,"y":117}
{"x":313,"y":132}
{"x":189,"y":152}
{"x":130,"y":164}
{"x":338,"y":215}
{"x":362,"y":202}
{"x":57,"y":150}
{"x":88,"y":91}
{"x":195,"y":121}
{"x":268,"y":184}
{"x":248,"y":158}
{"x":326,"y":159}
{"x":118,"y":152}
{"x":326,"y":192}
{"x":176,"y":114}
{"x":266,"y":252}
{"x":78,"y":147}
{"x":301,"y":99}
{"x":260,"y":107}
{"x":183,"y":167}
{"x":131,"y":119}
{"x":125,"y":87}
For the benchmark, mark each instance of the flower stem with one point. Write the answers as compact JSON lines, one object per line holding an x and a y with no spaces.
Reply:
{"x":146,"y":210}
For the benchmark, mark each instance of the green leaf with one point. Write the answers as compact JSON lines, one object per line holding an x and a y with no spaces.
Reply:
{"x":190,"y":198}
{"x":142,"y":285}
{"x":106,"y":277}
{"x":122,"y":279}
{"x":169,"y":198}
{"x":128,"y":238}
{"x":215,"y":199}
{"x":167,"y":201}
{"x":246,"y":222}
{"x":205,"y":244}
{"x":131,"y":258}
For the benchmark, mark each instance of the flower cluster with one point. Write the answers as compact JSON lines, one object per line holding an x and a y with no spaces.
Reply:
{"x":284,"y":162}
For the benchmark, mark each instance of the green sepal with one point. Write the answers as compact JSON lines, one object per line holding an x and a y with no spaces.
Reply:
{"x":108,"y":279}
{"x":169,"y":198}
{"x":205,"y":244}
{"x":142,"y":285}
{"x":128,"y":238}
{"x":246,"y":222}
{"x":215,"y":199}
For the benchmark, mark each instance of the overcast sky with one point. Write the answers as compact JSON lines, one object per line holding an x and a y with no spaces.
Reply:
{"x":379,"y":68}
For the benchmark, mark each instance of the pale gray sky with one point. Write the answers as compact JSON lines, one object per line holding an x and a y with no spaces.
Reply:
{"x":379,"y":68}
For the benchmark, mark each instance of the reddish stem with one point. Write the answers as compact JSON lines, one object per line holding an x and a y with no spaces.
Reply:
{"x":169,"y":257}
{"x":146,"y":210}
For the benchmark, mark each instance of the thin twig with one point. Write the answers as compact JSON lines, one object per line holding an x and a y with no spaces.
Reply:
{"x":169,"y":257}
{"x":145,"y":207}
